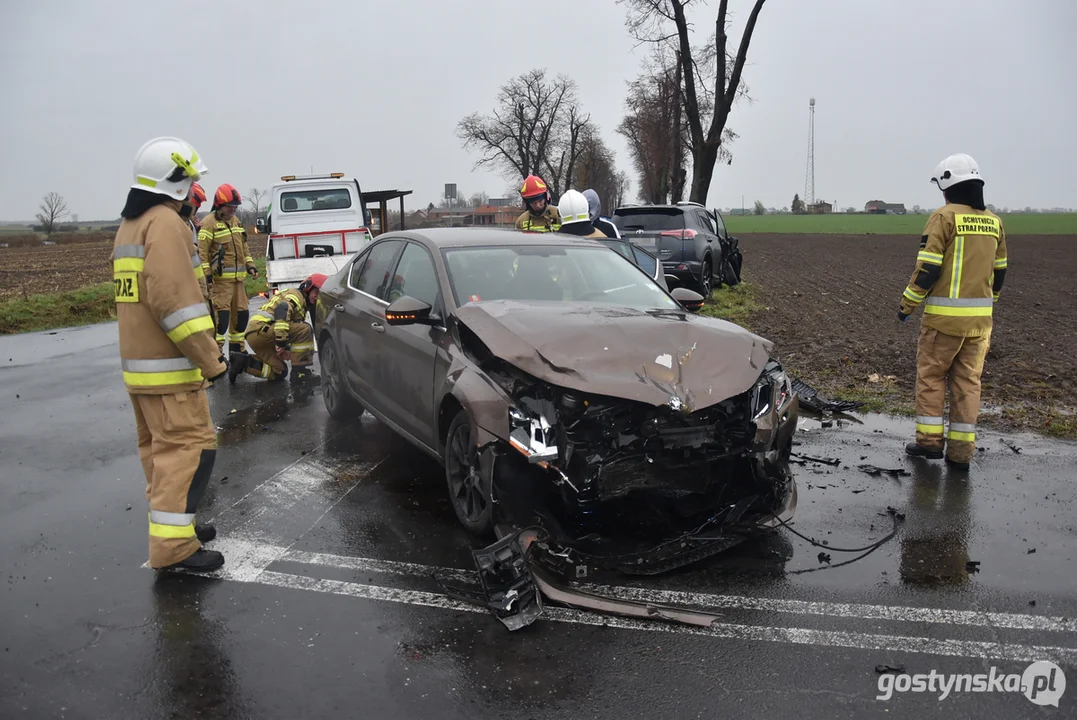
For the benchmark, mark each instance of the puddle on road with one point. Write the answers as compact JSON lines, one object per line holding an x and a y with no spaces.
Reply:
{"x":272,"y":404}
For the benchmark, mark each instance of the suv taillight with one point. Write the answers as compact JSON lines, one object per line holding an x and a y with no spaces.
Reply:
{"x":686,"y":234}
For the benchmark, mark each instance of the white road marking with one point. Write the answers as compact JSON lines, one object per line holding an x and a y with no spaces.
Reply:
{"x":1012,"y":621}
{"x":730,"y":631}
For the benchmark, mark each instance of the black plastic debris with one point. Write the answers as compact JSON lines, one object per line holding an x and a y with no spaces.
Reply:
{"x":824,"y":557}
{"x":825,"y":461}
{"x":857,"y":492}
{"x":876,"y":471}
{"x":972,"y":566}
{"x":896,"y":669}
{"x":1032,"y":603}
{"x":507,"y":583}
{"x":811,"y":399}
{"x":1030,"y":551}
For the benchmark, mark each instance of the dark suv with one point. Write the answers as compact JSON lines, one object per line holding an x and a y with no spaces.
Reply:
{"x":690,"y":240}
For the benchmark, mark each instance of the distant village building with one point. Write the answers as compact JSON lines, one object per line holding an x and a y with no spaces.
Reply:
{"x":821,"y":208}
{"x":878,"y":207}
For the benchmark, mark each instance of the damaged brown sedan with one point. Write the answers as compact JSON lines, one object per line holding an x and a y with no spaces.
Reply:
{"x":564,"y":391}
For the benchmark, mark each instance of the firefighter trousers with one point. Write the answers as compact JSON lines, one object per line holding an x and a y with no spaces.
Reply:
{"x":177,"y":443}
{"x":269,"y":364}
{"x":230,"y":308}
{"x":959,"y":360}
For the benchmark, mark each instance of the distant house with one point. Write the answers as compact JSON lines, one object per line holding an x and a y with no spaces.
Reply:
{"x":878,"y":207}
{"x":496,"y":215}
{"x":821,"y":208}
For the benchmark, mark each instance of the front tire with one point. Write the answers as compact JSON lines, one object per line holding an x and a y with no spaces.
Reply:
{"x":470,"y":490}
{"x":706,"y":279}
{"x":338,"y":402}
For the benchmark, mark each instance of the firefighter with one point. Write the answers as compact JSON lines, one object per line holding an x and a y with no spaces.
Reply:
{"x":222,"y":244}
{"x":575,"y":216}
{"x":189,"y":211}
{"x":540,"y":215}
{"x":167,"y":352}
{"x":958,"y":277}
{"x":278,"y":332}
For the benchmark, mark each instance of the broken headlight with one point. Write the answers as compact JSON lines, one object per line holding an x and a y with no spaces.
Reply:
{"x":532,"y":435}
{"x":773,"y":390}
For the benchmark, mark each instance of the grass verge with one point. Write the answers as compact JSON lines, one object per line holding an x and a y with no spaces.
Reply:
{"x":84,"y":306}
{"x":257,"y":285}
{"x":734,"y":304}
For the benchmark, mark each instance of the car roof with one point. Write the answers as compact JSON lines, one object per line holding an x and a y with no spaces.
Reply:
{"x":639,"y":209}
{"x":486,"y":237}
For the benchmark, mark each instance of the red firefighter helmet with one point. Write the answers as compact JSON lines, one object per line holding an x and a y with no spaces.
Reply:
{"x":315,"y":281}
{"x":197,"y":196}
{"x":226,"y":195}
{"x":533,"y":188}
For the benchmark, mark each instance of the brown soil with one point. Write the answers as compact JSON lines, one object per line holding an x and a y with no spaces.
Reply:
{"x":830,"y":304}
{"x":52,"y":268}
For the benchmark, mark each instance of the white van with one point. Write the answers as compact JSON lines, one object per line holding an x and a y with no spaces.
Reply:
{"x":314,"y":223}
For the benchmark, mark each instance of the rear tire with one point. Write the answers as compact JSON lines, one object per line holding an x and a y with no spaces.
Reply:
{"x":338,"y":402}
{"x":706,"y":279}
{"x":470,"y":491}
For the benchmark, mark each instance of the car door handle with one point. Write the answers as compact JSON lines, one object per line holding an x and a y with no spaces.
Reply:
{"x":338,"y":308}
{"x":378,"y":327}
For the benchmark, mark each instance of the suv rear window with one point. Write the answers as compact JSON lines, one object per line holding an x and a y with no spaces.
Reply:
{"x":306,"y":200}
{"x":648,"y":219}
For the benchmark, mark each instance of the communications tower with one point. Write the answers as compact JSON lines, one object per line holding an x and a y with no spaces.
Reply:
{"x":809,"y":174}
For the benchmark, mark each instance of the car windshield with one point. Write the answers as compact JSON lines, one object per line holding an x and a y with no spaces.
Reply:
{"x":551,"y":273}
{"x":650,"y":220}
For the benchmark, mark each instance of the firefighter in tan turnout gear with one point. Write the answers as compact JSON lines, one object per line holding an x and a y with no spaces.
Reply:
{"x":226,"y":261}
{"x":959,"y":273}
{"x":167,"y":351}
{"x":195,"y":199}
{"x":278,"y":332}
{"x":540,"y":215}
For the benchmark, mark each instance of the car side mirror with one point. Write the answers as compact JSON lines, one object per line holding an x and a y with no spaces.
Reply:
{"x":690,"y":300}
{"x":407,"y":310}
{"x":260,"y":225}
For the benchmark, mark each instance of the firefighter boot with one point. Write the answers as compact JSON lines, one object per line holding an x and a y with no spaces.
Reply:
{"x":201,"y":561}
{"x":205,"y":533}
{"x":918,"y":450}
{"x":238,"y":362}
{"x":957,"y":465}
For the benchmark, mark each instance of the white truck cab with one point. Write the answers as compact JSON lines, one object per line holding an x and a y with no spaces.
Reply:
{"x":315,"y":224}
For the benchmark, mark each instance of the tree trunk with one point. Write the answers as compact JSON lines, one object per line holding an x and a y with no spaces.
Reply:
{"x":676,"y":176}
{"x":702,"y":172}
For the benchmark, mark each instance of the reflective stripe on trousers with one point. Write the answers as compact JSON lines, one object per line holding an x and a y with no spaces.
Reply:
{"x":171,"y":525}
{"x":156,"y":373}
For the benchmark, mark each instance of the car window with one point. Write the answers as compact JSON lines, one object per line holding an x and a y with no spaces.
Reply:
{"x":415,"y":276}
{"x":721,"y":225}
{"x":645,"y":260}
{"x":651,"y":220}
{"x":618,"y":246}
{"x":374,"y":275}
{"x":707,"y":222}
{"x":551,"y":274}
{"x":356,"y":268}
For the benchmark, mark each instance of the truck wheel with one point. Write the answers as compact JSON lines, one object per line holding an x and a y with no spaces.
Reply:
{"x":338,"y":402}
{"x":469,"y":492}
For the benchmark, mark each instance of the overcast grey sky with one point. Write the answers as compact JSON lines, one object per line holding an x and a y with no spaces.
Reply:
{"x":375,"y":89}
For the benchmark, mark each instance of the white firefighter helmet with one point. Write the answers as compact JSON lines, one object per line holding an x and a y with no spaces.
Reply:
{"x":573,"y":208}
{"x":167,"y":166}
{"x":956,"y":169}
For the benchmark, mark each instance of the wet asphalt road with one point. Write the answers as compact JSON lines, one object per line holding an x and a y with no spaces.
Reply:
{"x":331,"y":531}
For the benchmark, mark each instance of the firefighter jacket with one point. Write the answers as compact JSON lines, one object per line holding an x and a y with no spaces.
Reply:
{"x":284,"y":308}
{"x":166,"y":332}
{"x":548,"y":221}
{"x":222,"y":245}
{"x":959,"y":271}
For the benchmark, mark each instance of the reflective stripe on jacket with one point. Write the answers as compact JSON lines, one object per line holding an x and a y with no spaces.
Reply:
{"x":228,"y":234}
{"x":286,"y":307}
{"x":166,"y":332}
{"x":955,"y":276}
{"x":548,"y":221}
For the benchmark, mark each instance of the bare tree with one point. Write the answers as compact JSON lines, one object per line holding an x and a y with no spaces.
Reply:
{"x":477,"y":199}
{"x":597,"y":170}
{"x":537,"y":128}
{"x":53,"y":209}
{"x":254,"y":199}
{"x":705,"y":101}
{"x":759,"y":208}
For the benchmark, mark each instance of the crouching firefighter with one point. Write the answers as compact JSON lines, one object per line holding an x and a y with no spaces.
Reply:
{"x":226,"y":261}
{"x":167,"y":352}
{"x":958,"y":277}
{"x":278,"y":332}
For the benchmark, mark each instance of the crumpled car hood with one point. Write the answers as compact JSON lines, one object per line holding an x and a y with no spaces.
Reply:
{"x":620,"y":352}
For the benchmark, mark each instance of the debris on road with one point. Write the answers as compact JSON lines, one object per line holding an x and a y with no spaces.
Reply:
{"x":972,"y":566}
{"x":1030,"y":551}
{"x":810,"y":398}
{"x":810,"y":458}
{"x":896,"y":669}
{"x":1011,"y":446}
{"x":877,"y":471}
{"x":824,"y":557}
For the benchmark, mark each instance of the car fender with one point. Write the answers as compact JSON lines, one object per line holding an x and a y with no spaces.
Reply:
{"x":484,"y":401}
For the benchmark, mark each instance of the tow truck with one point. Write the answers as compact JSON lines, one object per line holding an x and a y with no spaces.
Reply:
{"x":314,"y":224}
